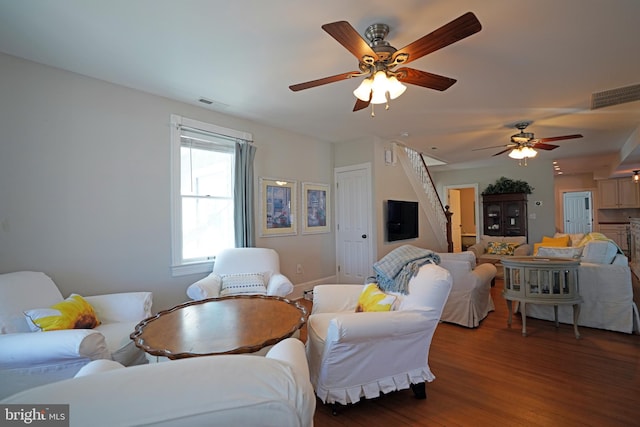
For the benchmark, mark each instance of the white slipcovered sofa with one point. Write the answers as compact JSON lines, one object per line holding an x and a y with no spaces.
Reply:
{"x":470,"y":298}
{"x":29,"y":359}
{"x":604,"y":280}
{"x":226,"y":390}
{"x":481,"y":248}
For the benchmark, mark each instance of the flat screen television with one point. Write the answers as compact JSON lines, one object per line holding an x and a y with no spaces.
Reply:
{"x":402,"y":220}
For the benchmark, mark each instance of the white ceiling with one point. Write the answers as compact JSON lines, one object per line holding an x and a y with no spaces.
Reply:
{"x":534,"y":60}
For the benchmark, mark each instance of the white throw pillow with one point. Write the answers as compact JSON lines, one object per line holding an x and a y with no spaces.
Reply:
{"x":243,"y":284}
{"x":559,"y":252}
{"x":599,"y":252}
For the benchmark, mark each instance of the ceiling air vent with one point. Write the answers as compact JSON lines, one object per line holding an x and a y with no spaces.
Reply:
{"x":617,"y":96}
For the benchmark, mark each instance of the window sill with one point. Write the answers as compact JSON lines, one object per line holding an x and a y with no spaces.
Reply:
{"x":193,"y":268}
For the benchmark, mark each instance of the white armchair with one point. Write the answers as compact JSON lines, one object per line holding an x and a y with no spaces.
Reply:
{"x":28,"y":359}
{"x":470,"y":299}
{"x":243,"y":261}
{"x":225,"y":390}
{"x":360,"y":355}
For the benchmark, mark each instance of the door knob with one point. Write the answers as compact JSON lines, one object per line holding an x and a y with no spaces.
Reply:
{"x":364,"y":236}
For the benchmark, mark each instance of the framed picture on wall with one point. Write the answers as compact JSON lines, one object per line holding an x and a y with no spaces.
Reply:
{"x":315,"y":208}
{"x":278,"y":207}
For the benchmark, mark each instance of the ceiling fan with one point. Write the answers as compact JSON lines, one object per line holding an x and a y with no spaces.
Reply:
{"x":523,"y":143}
{"x":378,"y":59}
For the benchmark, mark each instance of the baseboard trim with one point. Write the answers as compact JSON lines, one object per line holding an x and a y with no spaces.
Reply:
{"x":298,"y":289}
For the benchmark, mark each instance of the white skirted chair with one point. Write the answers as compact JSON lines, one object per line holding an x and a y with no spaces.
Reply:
{"x":30,"y":357}
{"x":354,"y":355}
{"x":238,"y":271}
{"x":225,"y":390}
{"x":470,"y":298}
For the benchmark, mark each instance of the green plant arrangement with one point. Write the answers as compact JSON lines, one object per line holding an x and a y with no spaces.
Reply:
{"x":506,"y":185}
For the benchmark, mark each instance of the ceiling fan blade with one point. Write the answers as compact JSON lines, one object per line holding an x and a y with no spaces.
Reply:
{"x":508,"y":146}
{"x":544,"y":146}
{"x":503,"y":151}
{"x":456,"y":30}
{"x":560,"y":138}
{"x":424,"y":79}
{"x":348,"y":37}
{"x":360,"y":105}
{"x":323,"y":81}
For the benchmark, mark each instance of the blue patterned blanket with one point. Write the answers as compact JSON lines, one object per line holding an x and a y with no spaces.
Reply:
{"x":395,"y":269}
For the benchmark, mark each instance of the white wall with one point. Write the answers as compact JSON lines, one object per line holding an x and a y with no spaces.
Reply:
{"x":84,"y":183}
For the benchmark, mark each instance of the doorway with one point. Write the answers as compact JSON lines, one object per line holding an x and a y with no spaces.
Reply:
{"x":465,"y":222}
{"x":353,"y":207}
{"x":577,"y":212}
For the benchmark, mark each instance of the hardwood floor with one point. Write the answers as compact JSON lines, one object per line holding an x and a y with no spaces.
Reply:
{"x":493,"y":376}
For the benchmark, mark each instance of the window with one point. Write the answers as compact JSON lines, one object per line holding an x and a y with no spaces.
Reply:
{"x":203,"y":159}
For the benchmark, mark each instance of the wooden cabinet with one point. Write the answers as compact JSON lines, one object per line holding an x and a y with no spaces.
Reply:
{"x":619,"y":233}
{"x":618,"y":193}
{"x":505,"y":214}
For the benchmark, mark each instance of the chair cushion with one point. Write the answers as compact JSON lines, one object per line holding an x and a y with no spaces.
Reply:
{"x":242,"y":284}
{"x":373,"y":299}
{"x":72,"y":313}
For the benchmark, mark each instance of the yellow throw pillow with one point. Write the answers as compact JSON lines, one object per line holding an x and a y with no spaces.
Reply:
{"x":73,"y":313}
{"x":501,"y":248}
{"x":554,"y":242}
{"x":373,"y":299}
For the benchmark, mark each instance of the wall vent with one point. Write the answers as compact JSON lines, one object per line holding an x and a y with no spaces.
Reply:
{"x":617,"y":96}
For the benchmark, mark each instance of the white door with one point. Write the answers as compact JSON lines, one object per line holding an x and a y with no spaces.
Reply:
{"x":578,"y":213}
{"x":456,"y":219}
{"x":354,"y":243}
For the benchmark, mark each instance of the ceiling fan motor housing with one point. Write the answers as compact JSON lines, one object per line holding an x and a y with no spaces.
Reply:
{"x":522,"y":137}
{"x":375,"y":34}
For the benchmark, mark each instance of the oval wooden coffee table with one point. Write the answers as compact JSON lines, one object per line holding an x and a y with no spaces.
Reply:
{"x":226,"y":325}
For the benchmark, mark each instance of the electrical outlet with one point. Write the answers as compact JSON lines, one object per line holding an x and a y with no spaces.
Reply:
{"x":299,"y":269}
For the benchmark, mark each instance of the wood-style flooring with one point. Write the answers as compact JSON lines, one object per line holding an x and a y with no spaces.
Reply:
{"x":493,"y":376}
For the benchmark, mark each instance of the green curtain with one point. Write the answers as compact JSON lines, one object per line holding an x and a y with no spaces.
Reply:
{"x":243,"y":195}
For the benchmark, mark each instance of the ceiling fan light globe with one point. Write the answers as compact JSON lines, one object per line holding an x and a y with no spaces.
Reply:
{"x":517,"y":154}
{"x":379,"y":97}
{"x":529,"y":152}
{"x":363,"y":92}
{"x":395,"y":88}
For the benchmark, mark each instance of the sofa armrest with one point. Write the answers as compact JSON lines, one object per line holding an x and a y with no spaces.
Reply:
{"x":207,"y":287}
{"x":485,"y":272}
{"x":279,"y":285}
{"x":345,"y":327}
{"x":458,"y":268}
{"x":292,"y":352}
{"x":122,"y":307}
{"x":620,"y":259}
{"x":523,"y":250}
{"x":335,"y":298}
{"x":478,"y":249}
{"x":32,"y":348}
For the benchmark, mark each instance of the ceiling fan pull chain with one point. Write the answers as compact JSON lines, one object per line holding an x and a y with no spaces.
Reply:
{"x":373,"y":113}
